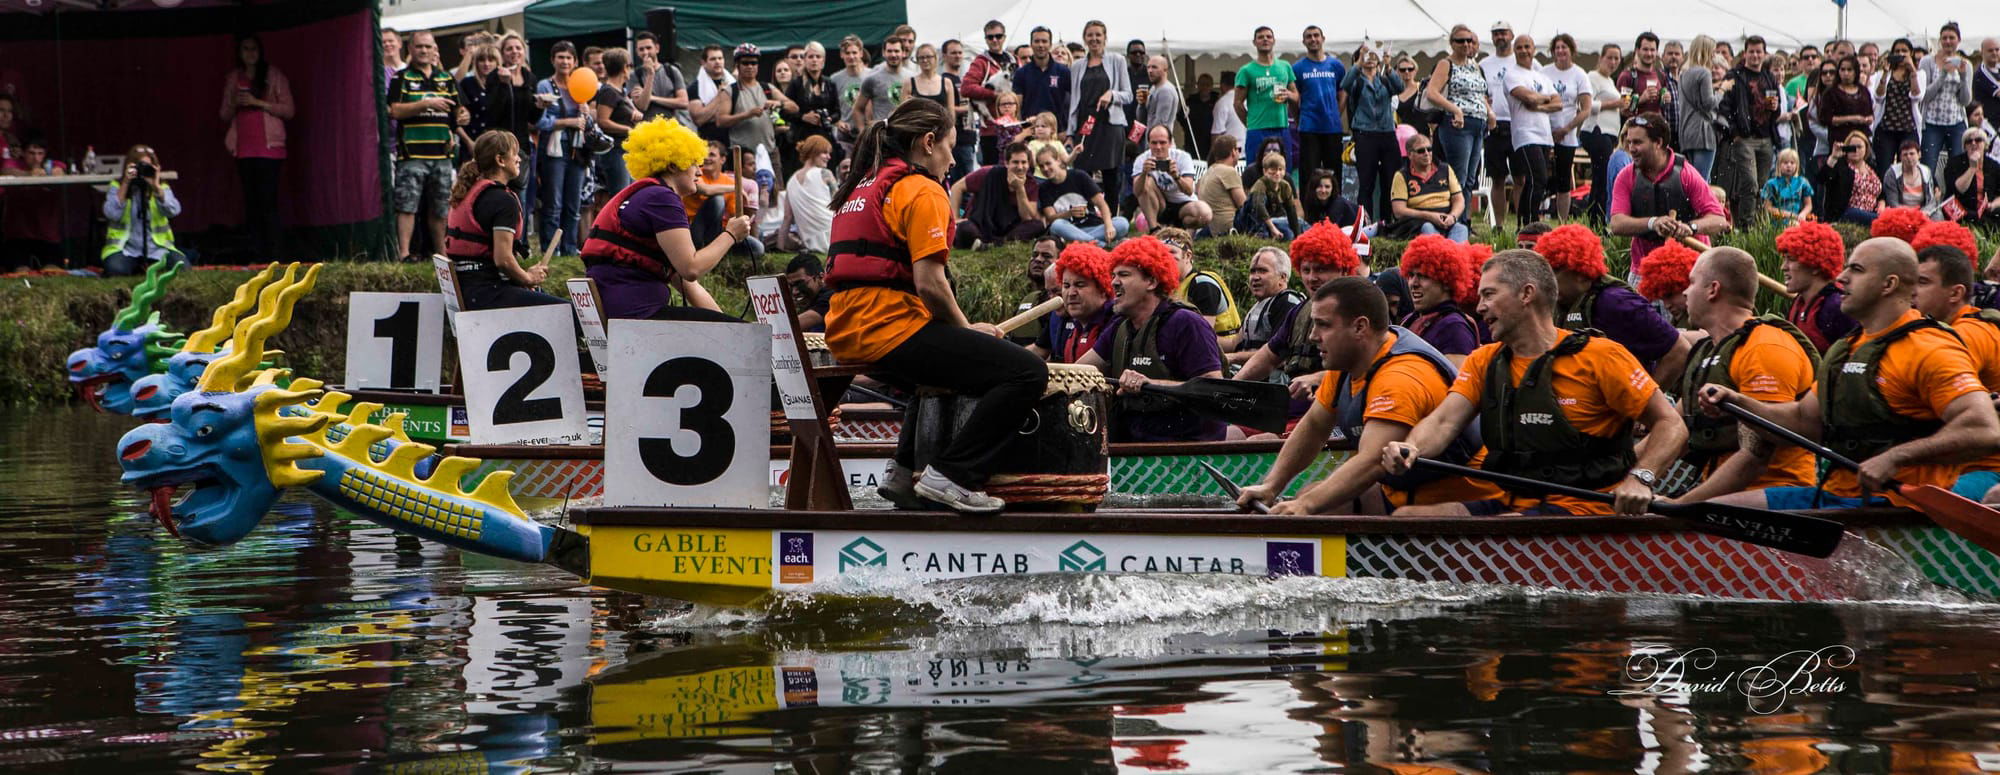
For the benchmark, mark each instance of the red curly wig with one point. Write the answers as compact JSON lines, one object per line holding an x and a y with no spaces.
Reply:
{"x":1814,"y":245}
{"x":1948,"y":233}
{"x":1151,"y":256}
{"x":1664,"y":271}
{"x":1443,"y":260}
{"x":1326,"y":244}
{"x":1088,"y":261}
{"x":1573,"y":248}
{"x":1899,"y":222}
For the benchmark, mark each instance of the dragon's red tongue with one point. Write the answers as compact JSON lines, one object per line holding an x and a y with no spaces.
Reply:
{"x":88,"y":392}
{"x":162,"y":508}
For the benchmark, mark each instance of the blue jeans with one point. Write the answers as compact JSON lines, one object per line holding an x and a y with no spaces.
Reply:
{"x":1457,"y":233}
{"x":1858,"y":215}
{"x":122,"y":264}
{"x":1288,"y":227}
{"x":1461,"y":149}
{"x":964,"y":159}
{"x":1703,"y":160}
{"x":1801,"y":498}
{"x":1253,"y":143}
{"x":707,"y":223}
{"x":1937,"y":137}
{"x":563,"y":179}
{"x":528,"y":192}
{"x":1073,"y":233}
{"x":612,"y":176}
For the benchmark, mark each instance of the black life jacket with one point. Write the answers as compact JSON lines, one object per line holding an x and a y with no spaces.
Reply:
{"x":1847,"y":390}
{"x":1650,"y":200}
{"x":1527,"y":434}
{"x":1713,"y":437}
{"x":1423,"y":322}
{"x":1583,"y":314}
{"x":1305,"y":349}
{"x":1138,"y":348}
{"x":1349,"y":408}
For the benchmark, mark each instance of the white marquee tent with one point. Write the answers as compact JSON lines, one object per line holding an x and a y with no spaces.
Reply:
{"x":1223,"y":28}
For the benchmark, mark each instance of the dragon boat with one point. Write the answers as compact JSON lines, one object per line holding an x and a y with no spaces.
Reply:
{"x":135,"y":346}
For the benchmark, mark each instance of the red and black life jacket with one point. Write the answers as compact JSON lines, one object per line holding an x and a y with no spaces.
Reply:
{"x":468,"y":244}
{"x":610,"y":243}
{"x":864,"y":250}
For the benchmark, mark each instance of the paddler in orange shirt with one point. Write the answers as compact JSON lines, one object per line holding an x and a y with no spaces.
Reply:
{"x":1381,"y":381}
{"x":1553,"y":405}
{"x":893,"y":306}
{"x":1901,"y":395}
{"x":1944,"y":284}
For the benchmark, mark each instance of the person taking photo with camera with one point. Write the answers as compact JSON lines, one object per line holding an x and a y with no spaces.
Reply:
{"x":137,"y":211}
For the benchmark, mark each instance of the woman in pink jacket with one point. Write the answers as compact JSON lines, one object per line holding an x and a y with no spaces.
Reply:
{"x":256,"y":102}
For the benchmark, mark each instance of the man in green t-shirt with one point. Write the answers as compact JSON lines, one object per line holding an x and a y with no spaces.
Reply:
{"x":1265,"y":92}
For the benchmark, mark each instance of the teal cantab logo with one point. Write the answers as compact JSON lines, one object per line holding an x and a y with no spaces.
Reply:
{"x":1081,"y":556}
{"x":861,"y":553}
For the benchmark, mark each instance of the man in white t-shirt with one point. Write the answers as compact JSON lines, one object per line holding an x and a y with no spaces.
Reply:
{"x":1499,"y":148}
{"x":1572,"y":83}
{"x":1163,"y":182}
{"x":1226,"y":122}
{"x":1531,"y":100}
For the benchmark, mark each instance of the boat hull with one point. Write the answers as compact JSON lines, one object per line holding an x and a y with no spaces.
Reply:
{"x":741,"y":557}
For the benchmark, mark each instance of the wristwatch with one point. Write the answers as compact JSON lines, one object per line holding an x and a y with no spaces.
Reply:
{"x":1646,"y":477}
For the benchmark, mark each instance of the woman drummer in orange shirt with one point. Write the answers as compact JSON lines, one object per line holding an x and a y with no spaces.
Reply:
{"x":893,"y":305}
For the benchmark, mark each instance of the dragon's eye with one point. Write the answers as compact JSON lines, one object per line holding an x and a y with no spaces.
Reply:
{"x":203,"y":431}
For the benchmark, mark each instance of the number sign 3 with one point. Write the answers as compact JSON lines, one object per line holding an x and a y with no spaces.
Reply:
{"x":521,"y":380}
{"x":687,"y":414}
{"x":395,"y":340}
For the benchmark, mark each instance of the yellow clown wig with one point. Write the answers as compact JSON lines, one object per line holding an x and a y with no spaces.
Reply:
{"x":657,"y":147}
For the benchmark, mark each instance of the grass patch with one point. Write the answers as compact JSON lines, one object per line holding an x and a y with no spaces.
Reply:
{"x":53,"y":316}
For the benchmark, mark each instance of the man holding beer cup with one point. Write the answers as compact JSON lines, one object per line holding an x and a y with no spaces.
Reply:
{"x":1754,"y":109}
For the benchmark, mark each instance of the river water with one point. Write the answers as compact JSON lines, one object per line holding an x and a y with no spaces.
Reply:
{"x":324,"y":643}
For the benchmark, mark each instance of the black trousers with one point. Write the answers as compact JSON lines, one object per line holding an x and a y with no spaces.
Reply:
{"x":1007,"y":378}
{"x":480,"y":294}
{"x":1599,"y":145}
{"x":1319,"y":151}
{"x":1376,"y":158}
{"x":1531,"y":173}
{"x":260,"y":205}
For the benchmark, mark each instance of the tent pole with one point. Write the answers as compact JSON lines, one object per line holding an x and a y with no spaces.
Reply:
{"x":1180,"y":90}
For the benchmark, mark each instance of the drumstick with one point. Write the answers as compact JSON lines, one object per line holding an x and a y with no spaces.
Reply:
{"x":1031,"y":313}
{"x":549,"y":247}
{"x":1698,"y":246}
{"x":736,"y":181}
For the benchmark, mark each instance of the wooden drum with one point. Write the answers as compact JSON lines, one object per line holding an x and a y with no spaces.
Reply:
{"x":816,"y":349}
{"x":1058,"y":460}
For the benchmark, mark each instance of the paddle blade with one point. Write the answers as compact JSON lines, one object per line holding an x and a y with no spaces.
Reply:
{"x":1229,"y":487}
{"x":1260,"y":405}
{"x":1972,"y":520}
{"x":1785,"y":532}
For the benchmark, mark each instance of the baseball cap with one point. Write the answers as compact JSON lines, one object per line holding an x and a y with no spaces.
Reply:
{"x":1498,"y":26}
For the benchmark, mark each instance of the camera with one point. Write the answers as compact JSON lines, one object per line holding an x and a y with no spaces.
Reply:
{"x":1852,"y":148}
{"x":146,"y":170}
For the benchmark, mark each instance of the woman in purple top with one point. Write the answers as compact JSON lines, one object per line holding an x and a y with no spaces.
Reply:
{"x":639,"y":249}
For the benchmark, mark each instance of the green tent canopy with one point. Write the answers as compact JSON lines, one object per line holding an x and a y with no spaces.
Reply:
{"x":723,"y":22}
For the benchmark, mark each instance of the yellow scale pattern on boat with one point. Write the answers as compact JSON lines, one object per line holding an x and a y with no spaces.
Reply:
{"x":417,"y":507}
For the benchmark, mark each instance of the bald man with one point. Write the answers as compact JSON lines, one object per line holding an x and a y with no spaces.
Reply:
{"x":1161,"y":105}
{"x":1764,"y":357}
{"x":1901,"y":395}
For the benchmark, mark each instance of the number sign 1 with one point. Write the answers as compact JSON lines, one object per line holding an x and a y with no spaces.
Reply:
{"x":520,"y":372}
{"x":583,"y":297}
{"x":687,"y":415}
{"x":395,"y":341}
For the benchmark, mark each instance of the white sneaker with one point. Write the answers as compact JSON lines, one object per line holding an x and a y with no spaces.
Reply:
{"x":896,"y":488}
{"x":935,"y":486}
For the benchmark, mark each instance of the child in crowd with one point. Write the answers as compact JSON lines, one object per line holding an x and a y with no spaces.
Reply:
{"x":1788,"y":195}
{"x":1006,"y":119}
{"x":1272,"y":207}
{"x":1042,"y":133}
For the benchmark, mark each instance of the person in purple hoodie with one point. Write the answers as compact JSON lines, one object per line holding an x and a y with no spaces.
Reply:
{"x":1589,"y":297}
{"x":1153,"y":339}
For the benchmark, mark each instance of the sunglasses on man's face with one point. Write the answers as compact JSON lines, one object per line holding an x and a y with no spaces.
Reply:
{"x":1466,"y":41}
{"x":1420,"y":150}
{"x":998,"y":36}
{"x":1406,"y":69}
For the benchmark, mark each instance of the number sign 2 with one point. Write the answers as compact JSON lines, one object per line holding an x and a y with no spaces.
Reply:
{"x":520,"y":372}
{"x":687,"y":415}
{"x":395,"y":340}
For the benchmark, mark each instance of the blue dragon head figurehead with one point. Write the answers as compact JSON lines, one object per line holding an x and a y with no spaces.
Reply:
{"x":230,"y":446}
{"x":134,"y":346}
{"x":153,"y":395}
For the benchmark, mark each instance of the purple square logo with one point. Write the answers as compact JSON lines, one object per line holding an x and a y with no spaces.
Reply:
{"x":1289,"y":558}
{"x":795,"y":548}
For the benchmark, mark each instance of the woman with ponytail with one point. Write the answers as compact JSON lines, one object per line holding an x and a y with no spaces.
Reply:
{"x":893,"y":305}
{"x":483,"y":232}
{"x":639,"y":248}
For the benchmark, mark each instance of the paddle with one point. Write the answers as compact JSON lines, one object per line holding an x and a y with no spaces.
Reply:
{"x":1970,"y":519}
{"x":1260,"y":405}
{"x":879,"y":396}
{"x":1228,"y":487}
{"x":1795,"y":533}
{"x":1770,"y":284}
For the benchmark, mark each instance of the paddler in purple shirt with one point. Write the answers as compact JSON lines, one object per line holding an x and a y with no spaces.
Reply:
{"x":1588,"y":297}
{"x":1814,"y":255}
{"x":1321,"y":254}
{"x":639,"y":249}
{"x":1444,"y":279}
{"x":1153,"y":339}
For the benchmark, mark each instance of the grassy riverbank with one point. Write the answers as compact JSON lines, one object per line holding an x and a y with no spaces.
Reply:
{"x":51,"y":316}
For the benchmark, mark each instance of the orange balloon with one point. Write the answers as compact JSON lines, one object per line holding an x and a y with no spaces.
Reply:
{"x":582,"y":85}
